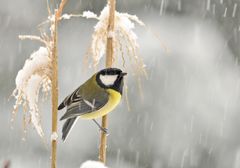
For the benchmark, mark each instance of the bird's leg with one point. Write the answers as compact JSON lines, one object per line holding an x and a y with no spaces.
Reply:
{"x":105,"y":130}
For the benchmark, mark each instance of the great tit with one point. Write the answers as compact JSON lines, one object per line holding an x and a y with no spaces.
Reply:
{"x":95,"y":98}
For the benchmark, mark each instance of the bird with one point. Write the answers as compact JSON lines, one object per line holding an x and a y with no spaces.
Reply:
{"x":95,"y":98}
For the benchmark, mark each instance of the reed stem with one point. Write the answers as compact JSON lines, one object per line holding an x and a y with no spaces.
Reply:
{"x":54,"y":36}
{"x":109,"y":61}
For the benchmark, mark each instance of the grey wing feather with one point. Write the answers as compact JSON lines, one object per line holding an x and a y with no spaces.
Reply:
{"x":68,"y":100}
{"x":63,"y":104}
{"x":76,"y":109}
{"x":67,"y":127}
{"x":77,"y":105}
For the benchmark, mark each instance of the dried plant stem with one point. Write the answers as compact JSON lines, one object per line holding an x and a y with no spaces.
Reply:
{"x":60,"y":9}
{"x":37,"y":38}
{"x":54,"y":91}
{"x":54,"y":37}
{"x":109,"y":61}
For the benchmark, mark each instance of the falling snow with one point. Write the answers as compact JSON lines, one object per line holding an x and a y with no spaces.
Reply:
{"x":188,"y":115}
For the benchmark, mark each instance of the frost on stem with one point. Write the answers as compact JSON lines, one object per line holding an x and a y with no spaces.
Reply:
{"x":89,"y":14}
{"x":34,"y":75}
{"x":54,"y":136}
{"x":92,"y":164}
{"x":125,"y":39}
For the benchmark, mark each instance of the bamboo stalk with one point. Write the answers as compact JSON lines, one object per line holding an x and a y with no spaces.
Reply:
{"x":109,"y":61}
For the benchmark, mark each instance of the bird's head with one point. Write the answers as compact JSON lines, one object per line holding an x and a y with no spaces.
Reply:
{"x":111,"y":78}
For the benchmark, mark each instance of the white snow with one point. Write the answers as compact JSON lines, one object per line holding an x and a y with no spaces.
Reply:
{"x":39,"y":59}
{"x":92,"y":164}
{"x":32,"y":91}
{"x":86,"y":14}
{"x":29,"y":80}
{"x":89,"y":14}
{"x":54,"y":136}
{"x":234,"y":10}
{"x":124,"y":25}
{"x":111,"y":34}
{"x":66,"y":16}
{"x":51,"y":18}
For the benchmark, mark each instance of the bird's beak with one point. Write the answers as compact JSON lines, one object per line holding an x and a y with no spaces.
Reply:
{"x":123,"y":73}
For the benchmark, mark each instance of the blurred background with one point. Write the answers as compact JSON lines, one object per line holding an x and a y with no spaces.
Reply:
{"x":188,"y":116}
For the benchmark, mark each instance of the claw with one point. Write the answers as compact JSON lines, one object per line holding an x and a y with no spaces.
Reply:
{"x":105,"y":130}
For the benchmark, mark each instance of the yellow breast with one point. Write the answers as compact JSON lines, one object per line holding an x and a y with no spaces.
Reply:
{"x":114,"y":99}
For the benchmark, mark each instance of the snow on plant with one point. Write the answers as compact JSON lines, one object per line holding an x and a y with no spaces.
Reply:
{"x":40,"y":71}
{"x":125,"y":39}
{"x":54,"y":136}
{"x":33,"y":76}
{"x":92,"y":164}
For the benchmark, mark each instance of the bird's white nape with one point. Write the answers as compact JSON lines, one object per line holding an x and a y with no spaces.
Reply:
{"x":108,"y":79}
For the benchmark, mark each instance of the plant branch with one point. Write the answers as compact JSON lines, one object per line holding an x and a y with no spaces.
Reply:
{"x":37,"y":38}
{"x":109,"y":61}
{"x":60,"y":9}
{"x":54,"y":91}
{"x":54,"y":36}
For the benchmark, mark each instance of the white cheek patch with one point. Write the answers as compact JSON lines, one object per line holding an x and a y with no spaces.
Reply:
{"x":108,"y":79}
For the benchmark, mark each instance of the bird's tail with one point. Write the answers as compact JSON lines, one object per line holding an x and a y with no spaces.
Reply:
{"x":68,"y":125}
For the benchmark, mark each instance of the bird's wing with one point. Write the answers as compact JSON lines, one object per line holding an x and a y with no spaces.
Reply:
{"x":69,"y":99}
{"x":68,"y":125}
{"x":78,"y":103}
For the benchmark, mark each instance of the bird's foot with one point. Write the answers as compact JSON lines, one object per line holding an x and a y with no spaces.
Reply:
{"x":104,"y":130}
